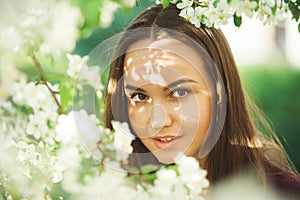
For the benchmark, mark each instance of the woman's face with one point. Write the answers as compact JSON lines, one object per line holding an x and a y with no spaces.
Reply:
{"x":169,"y":101}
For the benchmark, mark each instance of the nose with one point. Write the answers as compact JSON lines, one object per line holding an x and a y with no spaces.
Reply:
{"x":159,"y":117}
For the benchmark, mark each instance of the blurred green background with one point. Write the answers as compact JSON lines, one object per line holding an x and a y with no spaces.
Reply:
{"x":275,"y":89}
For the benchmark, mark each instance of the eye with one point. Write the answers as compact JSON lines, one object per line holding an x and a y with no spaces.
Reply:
{"x":138,"y":97}
{"x":182,"y":92}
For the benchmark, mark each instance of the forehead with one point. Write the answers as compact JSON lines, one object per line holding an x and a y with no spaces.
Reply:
{"x":168,"y":58}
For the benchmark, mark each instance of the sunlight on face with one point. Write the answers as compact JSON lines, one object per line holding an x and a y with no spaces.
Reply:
{"x":169,"y":101}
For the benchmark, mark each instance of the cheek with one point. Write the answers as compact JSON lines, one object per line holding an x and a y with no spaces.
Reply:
{"x":189,"y":118}
{"x":195,"y":121}
{"x":139,"y":119}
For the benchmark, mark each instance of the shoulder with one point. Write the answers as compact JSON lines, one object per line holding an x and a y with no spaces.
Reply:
{"x":285,"y":182}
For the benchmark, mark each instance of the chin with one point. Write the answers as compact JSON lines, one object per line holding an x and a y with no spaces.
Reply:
{"x":165,"y":159}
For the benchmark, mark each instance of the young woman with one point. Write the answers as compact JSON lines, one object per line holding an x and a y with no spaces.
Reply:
{"x":178,"y":88}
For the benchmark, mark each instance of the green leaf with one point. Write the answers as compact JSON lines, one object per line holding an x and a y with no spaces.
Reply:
{"x":215,"y":3}
{"x":26,"y":109}
{"x":257,"y":5}
{"x":89,"y":100}
{"x":29,"y":140}
{"x":85,"y":170}
{"x":149,"y":168}
{"x":294,"y":10}
{"x":165,"y":3}
{"x":274,"y":9}
{"x":133,"y":179}
{"x":134,"y":170}
{"x":237,"y":20}
{"x":299,"y":27}
{"x":66,"y":89}
{"x":55,"y":77}
{"x":90,"y":12}
{"x":202,"y":19}
{"x":149,"y":177}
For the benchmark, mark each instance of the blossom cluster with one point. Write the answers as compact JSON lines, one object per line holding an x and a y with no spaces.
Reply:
{"x":190,"y":183}
{"x":218,"y":12}
{"x":72,"y":155}
{"x":47,"y":27}
{"x":29,"y":24}
{"x":28,"y":143}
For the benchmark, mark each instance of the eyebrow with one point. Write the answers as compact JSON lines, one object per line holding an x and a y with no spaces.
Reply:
{"x":175,"y":83}
{"x":171,"y":85}
{"x":133,"y":88}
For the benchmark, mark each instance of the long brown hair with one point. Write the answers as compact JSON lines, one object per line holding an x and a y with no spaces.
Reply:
{"x":238,"y":147}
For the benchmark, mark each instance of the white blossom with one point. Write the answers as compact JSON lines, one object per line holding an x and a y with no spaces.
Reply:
{"x":217,"y":16}
{"x":197,"y":15}
{"x":51,"y":25}
{"x":171,"y":1}
{"x":56,"y":168}
{"x":38,"y":125}
{"x":122,"y":139}
{"x":70,"y":156}
{"x":185,"y":4}
{"x":26,"y":152}
{"x":281,"y":15}
{"x":168,"y":186}
{"x":131,"y":193}
{"x":9,"y":74}
{"x":244,"y":7}
{"x":191,"y":174}
{"x":12,"y":124}
{"x":80,"y":124}
{"x":64,"y":30}
{"x":22,"y":20}
{"x":107,"y":11}
{"x":270,"y":3}
{"x":218,"y":12}
{"x":102,"y":186}
{"x":75,"y":64}
{"x":165,"y":177}
{"x":186,"y":9}
{"x":187,"y":13}
{"x":37,"y":97}
{"x":80,"y":71}
{"x":212,"y":16}
{"x":65,"y":129}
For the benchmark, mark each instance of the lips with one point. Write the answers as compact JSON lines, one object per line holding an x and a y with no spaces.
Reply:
{"x":166,"y":141}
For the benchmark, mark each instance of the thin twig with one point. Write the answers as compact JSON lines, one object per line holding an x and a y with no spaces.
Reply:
{"x":41,"y":73}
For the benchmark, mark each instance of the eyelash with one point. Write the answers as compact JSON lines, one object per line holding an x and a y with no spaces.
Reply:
{"x":138,"y":93}
{"x":187,"y":90}
{"x":171,"y":94}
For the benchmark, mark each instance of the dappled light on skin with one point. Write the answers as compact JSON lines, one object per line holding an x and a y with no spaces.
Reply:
{"x":159,"y":118}
{"x":169,"y":100}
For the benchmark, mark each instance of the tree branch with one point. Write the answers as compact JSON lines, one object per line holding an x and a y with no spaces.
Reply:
{"x":42,"y":76}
